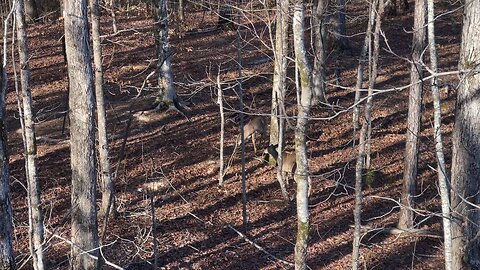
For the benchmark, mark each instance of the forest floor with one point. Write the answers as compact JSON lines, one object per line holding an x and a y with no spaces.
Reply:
{"x":193,"y":215}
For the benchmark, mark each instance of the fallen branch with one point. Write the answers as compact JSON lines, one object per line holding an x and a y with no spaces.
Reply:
{"x":88,"y":251}
{"x":258,"y":247}
{"x":396,"y":231}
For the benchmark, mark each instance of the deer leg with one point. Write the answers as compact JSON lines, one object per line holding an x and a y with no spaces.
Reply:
{"x":254,"y":146}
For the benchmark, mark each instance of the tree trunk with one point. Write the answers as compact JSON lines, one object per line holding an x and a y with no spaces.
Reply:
{"x":181,"y":12}
{"x":360,"y":69}
{"x":371,"y":83}
{"x":167,"y":94}
{"x":222,"y":130}
{"x":319,"y":75}
{"x":108,"y":189}
{"x":409,"y":188}
{"x":341,"y":32}
{"x":301,"y":173}
{"x":113,"y":6}
{"x":7,"y":258}
{"x":441,"y":170}
{"x":238,"y":44}
{"x":376,"y":11}
{"x":466,"y":148}
{"x":82,"y":136}
{"x":278,"y":89}
{"x":35,"y":213}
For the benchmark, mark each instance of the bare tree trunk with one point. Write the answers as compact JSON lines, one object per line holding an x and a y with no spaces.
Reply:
{"x":113,"y":6}
{"x":36,"y":232}
{"x":82,"y":136}
{"x":409,"y":188}
{"x":167,"y":94}
{"x":222,"y":130}
{"x":279,"y":72}
{"x":278,"y":92}
{"x":466,"y":152}
{"x":181,"y":12}
{"x":376,"y":10}
{"x":7,"y":258}
{"x":319,"y":75}
{"x":108,"y":189}
{"x":238,"y":44}
{"x":357,"y":212}
{"x":441,"y":170}
{"x":301,"y":173}
{"x":360,"y":69}
{"x":341,"y":31}
{"x":371,"y":83}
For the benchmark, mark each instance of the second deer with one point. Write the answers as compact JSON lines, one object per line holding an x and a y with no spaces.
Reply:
{"x":289,"y":165}
{"x":257,"y":125}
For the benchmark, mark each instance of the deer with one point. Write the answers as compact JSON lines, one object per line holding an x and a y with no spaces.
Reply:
{"x":256,"y":125}
{"x":289,"y":164}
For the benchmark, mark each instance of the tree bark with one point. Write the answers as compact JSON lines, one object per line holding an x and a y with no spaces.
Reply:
{"x":278,"y":89}
{"x":35,"y":213}
{"x":222,"y":130}
{"x":108,"y":189}
{"x":341,"y":32}
{"x":167,"y":94}
{"x":7,"y":258}
{"x":360,"y":70}
{"x":301,"y":173}
{"x":319,"y":33}
{"x":82,"y":136}
{"x":441,"y":170}
{"x":371,"y":83}
{"x":406,"y":215}
{"x":376,"y":11}
{"x":466,"y":148}
{"x":181,"y":12}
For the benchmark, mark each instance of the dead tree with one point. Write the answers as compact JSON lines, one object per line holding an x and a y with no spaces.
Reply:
{"x":82,"y":137}
{"x":301,"y":173}
{"x":35,"y":213}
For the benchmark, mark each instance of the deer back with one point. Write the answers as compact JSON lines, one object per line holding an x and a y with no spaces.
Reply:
{"x":257,"y":125}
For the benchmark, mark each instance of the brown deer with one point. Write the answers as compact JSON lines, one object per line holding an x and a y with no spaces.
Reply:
{"x":256,"y":125}
{"x":289,"y":164}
